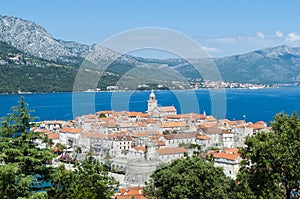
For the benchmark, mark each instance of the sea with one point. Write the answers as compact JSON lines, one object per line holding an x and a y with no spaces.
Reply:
{"x":251,"y":105}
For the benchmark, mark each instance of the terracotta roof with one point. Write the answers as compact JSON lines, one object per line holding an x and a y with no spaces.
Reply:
{"x":140,"y":148}
{"x":141,"y":125}
{"x":173,"y":124}
{"x":168,"y":151}
{"x":110,"y":124}
{"x":145,"y":134}
{"x":70,"y":130}
{"x":261,"y":123}
{"x":227,"y":156}
{"x":53,"y":136}
{"x":128,"y":193}
{"x":210,"y":118}
{"x":225,"y":131}
{"x":144,"y":115}
{"x":105,"y":119}
{"x":45,"y":131}
{"x":134,"y":114}
{"x":231,"y":150}
{"x":228,"y":153}
{"x":257,"y":126}
{"x":203,"y":137}
{"x":90,"y":116}
{"x":167,"y":109}
{"x":158,"y":142}
{"x":207,"y":125}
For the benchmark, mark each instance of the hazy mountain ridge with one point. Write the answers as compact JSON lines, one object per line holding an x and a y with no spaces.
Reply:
{"x":272,"y":65}
{"x":279,"y":64}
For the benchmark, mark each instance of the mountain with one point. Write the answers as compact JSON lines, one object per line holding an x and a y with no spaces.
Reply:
{"x":279,"y":64}
{"x":271,"y":65}
{"x":32,"y":60}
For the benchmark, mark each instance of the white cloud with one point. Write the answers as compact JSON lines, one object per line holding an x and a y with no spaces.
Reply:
{"x":292,"y":37}
{"x":225,"y":40}
{"x":278,"y":34}
{"x":231,"y":45}
{"x":212,"y":50}
{"x":260,"y":35}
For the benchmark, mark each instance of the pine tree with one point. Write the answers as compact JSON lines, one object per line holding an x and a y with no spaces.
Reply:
{"x":22,"y":165}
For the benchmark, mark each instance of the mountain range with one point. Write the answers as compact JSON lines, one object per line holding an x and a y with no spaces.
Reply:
{"x":27,"y":48}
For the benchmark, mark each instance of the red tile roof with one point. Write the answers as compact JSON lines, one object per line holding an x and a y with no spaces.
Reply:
{"x":127,"y":193}
{"x":167,"y":109}
{"x":53,"y":136}
{"x":140,"y":148}
{"x":71,"y":130}
{"x":203,"y":137}
{"x":173,"y":124}
{"x":168,"y":151}
{"x":134,"y":114}
{"x":146,"y":134}
{"x":227,"y":156}
{"x":228,"y":153}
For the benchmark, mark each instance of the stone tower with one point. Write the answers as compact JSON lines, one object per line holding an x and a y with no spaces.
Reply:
{"x":152,"y":102}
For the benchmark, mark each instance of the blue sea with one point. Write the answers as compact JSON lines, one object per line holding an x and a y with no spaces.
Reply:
{"x":234,"y":104}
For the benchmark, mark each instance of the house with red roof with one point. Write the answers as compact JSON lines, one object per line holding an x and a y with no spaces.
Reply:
{"x":229,"y":159}
{"x":167,"y":155}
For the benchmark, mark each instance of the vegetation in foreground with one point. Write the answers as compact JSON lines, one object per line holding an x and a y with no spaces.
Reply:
{"x":26,"y":171}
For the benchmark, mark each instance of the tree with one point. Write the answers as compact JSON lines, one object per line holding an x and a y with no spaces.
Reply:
{"x":90,"y":180}
{"x":22,"y":163}
{"x":25,"y":171}
{"x":271,"y":164}
{"x":190,"y":178}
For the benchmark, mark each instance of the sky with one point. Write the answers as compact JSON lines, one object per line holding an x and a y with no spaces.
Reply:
{"x":222,"y":28}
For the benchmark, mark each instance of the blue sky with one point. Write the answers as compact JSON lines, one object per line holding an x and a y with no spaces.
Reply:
{"x":222,"y":27}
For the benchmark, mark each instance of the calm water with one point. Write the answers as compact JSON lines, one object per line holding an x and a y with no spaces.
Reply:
{"x":255,"y":105}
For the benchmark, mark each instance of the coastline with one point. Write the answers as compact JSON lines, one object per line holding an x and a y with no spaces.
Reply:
{"x":148,"y":90}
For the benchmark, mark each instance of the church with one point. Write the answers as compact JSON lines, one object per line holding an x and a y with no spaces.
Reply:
{"x":155,"y":111}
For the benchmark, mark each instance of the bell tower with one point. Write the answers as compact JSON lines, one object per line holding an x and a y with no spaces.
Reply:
{"x":152,"y":102}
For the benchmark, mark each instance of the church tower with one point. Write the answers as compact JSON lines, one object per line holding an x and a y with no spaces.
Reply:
{"x":152,"y":102}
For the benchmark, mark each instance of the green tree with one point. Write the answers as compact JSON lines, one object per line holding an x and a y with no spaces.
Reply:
{"x":22,"y":163}
{"x":89,"y":180}
{"x":190,"y":178}
{"x":271,"y":165}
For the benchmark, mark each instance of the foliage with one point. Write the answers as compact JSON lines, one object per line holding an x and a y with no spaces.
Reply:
{"x":90,"y":180}
{"x":271,"y":159}
{"x":102,"y":115}
{"x":190,"y":178}
{"x":25,"y":170}
{"x":21,"y":160}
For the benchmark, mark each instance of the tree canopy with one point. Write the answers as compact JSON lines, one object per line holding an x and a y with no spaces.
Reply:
{"x":190,"y":178}
{"x":271,"y":164}
{"x":26,"y":170}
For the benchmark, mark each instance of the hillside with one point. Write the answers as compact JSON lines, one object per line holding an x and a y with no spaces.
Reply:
{"x":32,"y":60}
{"x":279,"y":64}
{"x":272,"y":65}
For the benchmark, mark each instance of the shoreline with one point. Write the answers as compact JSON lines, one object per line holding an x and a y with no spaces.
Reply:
{"x":120,"y":91}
